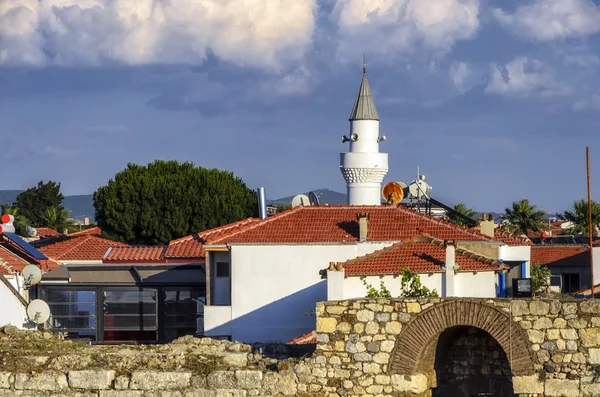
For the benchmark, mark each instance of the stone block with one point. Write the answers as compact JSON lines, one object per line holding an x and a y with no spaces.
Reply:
{"x":365,"y":315}
{"x":519,"y":307}
{"x":337,"y":310}
{"x":404,"y":317}
{"x":49,"y":380}
{"x":560,"y":323}
{"x":413,"y":307}
{"x":552,"y":334}
{"x":286,"y":384}
{"x":562,"y":388}
{"x":555,"y":307}
{"x":528,"y":384}
{"x":150,"y":380}
{"x":381,"y":358}
{"x":569,"y":334}
{"x":6,"y":379}
{"x":590,"y":389}
{"x":569,"y":308}
{"x":412,"y":384}
{"x":91,"y":379}
{"x":372,"y":328}
{"x":535,"y":336}
{"x":590,"y":337}
{"x":122,"y":382}
{"x":249,"y":379}
{"x":387,"y":346}
{"x":382,"y":317}
{"x":326,"y":325}
{"x":372,"y":368}
{"x":221,"y":380}
{"x":393,"y":327}
{"x":539,"y":308}
{"x":594,"y":356}
{"x":121,"y":393}
{"x":542,"y":323}
{"x":235,"y":359}
{"x":591,"y":306}
{"x":344,"y":327}
{"x":383,"y":379}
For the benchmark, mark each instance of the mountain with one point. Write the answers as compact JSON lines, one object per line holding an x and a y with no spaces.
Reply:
{"x":326,"y":196}
{"x":80,"y":206}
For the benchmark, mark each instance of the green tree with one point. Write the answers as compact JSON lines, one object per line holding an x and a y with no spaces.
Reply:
{"x":540,"y":276}
{"x":411,"y":287}
{"x":579,"y":217}
{"x":57,"y":218}
{"x":164,"y":200}
{"x":372,"y":292}
{"x":33,"y":202}
{"x":20,"y":222}
{"x":523,"y":216}
{"x":461,"y":208}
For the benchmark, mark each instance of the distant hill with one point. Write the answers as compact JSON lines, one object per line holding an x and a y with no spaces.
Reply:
{"x":80,"y":206}
{"x":326,"y":196}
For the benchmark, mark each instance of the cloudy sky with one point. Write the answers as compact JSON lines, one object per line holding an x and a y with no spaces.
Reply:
{"x":494,"y":100}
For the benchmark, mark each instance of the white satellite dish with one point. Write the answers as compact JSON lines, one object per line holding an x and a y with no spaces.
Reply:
{"x":38,"y":311}
{"x":32,"y":275}
{"x":31,"y":232}
{"x":313,"y":198}
{"x":300,"y":199}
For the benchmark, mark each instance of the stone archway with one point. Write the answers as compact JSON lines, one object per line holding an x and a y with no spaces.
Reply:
{"x":415,"y":349}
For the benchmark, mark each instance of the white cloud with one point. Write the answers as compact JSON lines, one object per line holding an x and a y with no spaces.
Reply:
{"x":136,"y":32}
{"x":458,"y":73}
{"x":590,"y":103}
{"x":389,"y":26}
{"x":524,"y":77}
{"x":545,"y":20}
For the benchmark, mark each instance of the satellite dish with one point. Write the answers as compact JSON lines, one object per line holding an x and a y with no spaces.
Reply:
{"x":300,"y":199}
{"x":38,"y":311}
{"x":313,"y":198}
{"x":31,"y":232}
{"x":394,"y":192}
{"x":32,"y":274}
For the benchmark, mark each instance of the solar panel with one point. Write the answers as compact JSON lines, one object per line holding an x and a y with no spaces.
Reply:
{"x":25,"y":246}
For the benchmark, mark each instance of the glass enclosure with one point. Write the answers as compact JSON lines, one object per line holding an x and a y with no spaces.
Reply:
{"x":72,"y":311}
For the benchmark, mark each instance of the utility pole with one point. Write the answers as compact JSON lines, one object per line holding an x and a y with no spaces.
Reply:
{"x":590,"y":226}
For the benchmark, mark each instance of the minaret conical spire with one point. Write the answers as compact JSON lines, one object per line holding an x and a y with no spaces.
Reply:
{"x":364,"y":105}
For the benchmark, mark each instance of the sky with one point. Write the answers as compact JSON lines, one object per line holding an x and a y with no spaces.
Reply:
{"x":494,"y":101}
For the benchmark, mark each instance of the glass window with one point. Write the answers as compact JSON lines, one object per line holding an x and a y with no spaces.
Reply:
{"x":72,"y":311}
{"x":184,"y":311}
{"x":222,"y":269}
{"x":130,"y":314}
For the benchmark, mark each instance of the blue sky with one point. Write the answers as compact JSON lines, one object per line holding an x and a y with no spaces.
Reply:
{"x":494,"y":100}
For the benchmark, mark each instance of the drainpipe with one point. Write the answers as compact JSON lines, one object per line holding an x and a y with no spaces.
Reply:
{"x":524,"y":270}
{"x":262,"y":203}
{"x":502,"y":285}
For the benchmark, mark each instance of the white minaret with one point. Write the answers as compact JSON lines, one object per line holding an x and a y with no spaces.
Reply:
{"x":363,"y":167}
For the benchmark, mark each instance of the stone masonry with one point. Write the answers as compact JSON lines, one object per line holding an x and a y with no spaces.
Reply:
{"x":386,"y":347}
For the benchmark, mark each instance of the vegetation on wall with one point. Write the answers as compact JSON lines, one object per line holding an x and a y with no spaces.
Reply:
{"x":540,"y":276}
{"x":165,"y":200}
{"x":411,"y":287}
{"x":373,"y":292}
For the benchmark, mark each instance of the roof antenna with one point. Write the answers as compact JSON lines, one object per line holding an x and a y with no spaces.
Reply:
{"x":364,"y":64}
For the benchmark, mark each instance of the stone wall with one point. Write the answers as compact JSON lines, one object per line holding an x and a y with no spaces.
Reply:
{"x":388,"y":346}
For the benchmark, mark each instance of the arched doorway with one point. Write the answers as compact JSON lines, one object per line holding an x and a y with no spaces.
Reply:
{"x":427,"y":340}
{"x":470,"y":362}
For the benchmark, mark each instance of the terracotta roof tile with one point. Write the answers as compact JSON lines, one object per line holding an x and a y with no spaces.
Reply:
{"x":85,"y":247}
{"x":308,"y":338}
{"x":46,"y":232}
{"x":94,"y":231}
{"x":576,"y":255}
{"x":193,"y":246}
{"x":319,"y":224}
{"x":423,"y":254}
{"x":10,"y":262}
{"x":140,"y":254}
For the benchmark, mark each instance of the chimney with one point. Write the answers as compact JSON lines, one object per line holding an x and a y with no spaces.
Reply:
{"x":262,"y":203}
{"x":363,"y":226}
{"x":487,"y":225}
{"x":451,"y":268}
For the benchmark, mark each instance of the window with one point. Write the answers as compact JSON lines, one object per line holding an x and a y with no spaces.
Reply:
{"x":183,"y":310}
{"x":222,"y":269}
{"x":570,"y":282}
{"x":130,"y":314}
{"x":72,"y":311}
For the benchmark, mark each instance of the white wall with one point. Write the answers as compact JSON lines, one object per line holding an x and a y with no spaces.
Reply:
{"x":12,"y":311}
{"x":475,"y":285}
{"x":519,"y":253}
{"x":354,"y":288}
{"x":596,"y":259}
{"x":275,"y":287}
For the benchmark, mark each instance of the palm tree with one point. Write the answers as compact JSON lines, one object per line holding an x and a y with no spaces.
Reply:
{"x":20,"y":222}
{"x":461,"y":208}
{"x":579,"y":217}
{"x":523,"y":217}
{"x":57,"y":219}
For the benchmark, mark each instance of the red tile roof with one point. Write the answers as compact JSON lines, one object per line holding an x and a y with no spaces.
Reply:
{"x":10,"y":262}
{"x":319,"y":224}
{"x":308,"y":338}
{"x":423,"y":254}
{"x":84,"y":247}
{"x":139,"y":254}
{"x":193,"y":246}
{"x":95,"y":231}
{"x":574,"y":255}
{"x":46,"y":232}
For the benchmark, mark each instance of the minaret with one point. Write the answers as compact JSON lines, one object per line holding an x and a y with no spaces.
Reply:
{"x":363,"y":167}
